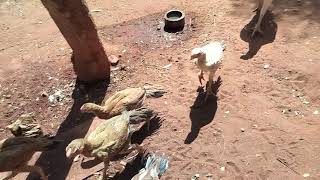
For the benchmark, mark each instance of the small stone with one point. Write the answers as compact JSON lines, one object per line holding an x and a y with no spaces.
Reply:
{"x":306,"y":102}
{"x":44,"y":94}
{"x":227,"y":112}
{"x":242,"y":129}
{"x":113,"y":60}
{"x":159,"y":28}
{"x":266,"y":66}
{"x":316,"y":112}
{"x":222,"y":168}
{"x":7,"y":96}
{"x":56,"y":97}
{"x":306,"y":175}
{"x":209,"y":176}
{"x":167,"y":66}
{"x":195,"y":177}
{"x":165,"y":102}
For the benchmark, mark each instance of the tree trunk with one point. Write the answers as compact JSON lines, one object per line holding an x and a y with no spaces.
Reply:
{"x":73,"y":19}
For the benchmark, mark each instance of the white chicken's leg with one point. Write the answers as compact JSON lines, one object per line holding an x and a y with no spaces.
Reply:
{"x":200,"y":76}
{"x":259,"y":5}
{"x":265,"y":6}
{"x":209,"y":88}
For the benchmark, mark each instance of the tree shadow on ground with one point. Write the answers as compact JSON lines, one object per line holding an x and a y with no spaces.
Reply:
{"x":55,"y":163}
{"x":202,"y":115}
{"x":269,"y":28}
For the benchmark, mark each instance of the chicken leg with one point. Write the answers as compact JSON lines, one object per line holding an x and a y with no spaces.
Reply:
{"x":260,"y":2}
{"x":209,"y":88}
{"x":104,"y":171}
{"x":200,"y":76}
{"x":266,"y":4}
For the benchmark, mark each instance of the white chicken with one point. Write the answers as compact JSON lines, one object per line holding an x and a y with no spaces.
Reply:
{"x":263,"y":6}
{"x":208,"y":59}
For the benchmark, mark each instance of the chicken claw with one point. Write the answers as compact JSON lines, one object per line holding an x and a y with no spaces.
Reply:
{"x":255,"y":30}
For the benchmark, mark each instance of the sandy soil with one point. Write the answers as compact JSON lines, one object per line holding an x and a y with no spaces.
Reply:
{"x":261,"y":126}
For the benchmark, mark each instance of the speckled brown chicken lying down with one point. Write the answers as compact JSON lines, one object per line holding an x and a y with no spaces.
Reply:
{"x":111,"y":137}
{"x":127,"y":99}
{"x":26,"y":126}
{"x":15,"y":152}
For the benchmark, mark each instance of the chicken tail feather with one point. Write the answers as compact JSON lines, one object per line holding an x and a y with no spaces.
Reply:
{"x":154,"y":91}
{"x":157,"y":165}
{"x":141,"y":114}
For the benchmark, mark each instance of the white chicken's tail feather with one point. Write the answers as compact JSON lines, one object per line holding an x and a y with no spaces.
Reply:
{"x":214,"y":52}
{"x":154,"y":168}
{"x":157,"y":165}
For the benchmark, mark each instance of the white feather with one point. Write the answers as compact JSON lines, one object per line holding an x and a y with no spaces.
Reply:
{"x":212,"y":58}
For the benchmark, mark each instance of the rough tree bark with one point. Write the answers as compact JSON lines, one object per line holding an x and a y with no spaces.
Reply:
{"x":75,"y":23}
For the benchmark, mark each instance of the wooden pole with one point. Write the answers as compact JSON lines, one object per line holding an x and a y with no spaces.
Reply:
{"x":76,"y":25}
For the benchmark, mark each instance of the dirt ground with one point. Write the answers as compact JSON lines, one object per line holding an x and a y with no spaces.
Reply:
{"x":263,"y":125}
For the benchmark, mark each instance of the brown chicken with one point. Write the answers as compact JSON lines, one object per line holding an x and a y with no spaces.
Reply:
{"x":25,"y":126}
{"x":111,"y":138}
{"x":15,"y":152}
{"x":127,"y":99}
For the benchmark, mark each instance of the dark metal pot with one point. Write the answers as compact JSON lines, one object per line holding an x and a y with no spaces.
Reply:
{"x":174,"y":21}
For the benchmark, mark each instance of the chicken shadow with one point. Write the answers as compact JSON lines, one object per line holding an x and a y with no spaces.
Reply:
{"x":135,"y":165}
{"x":269,"y":28}
{"x":202,"y":115}
{"x":54,"y":162}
